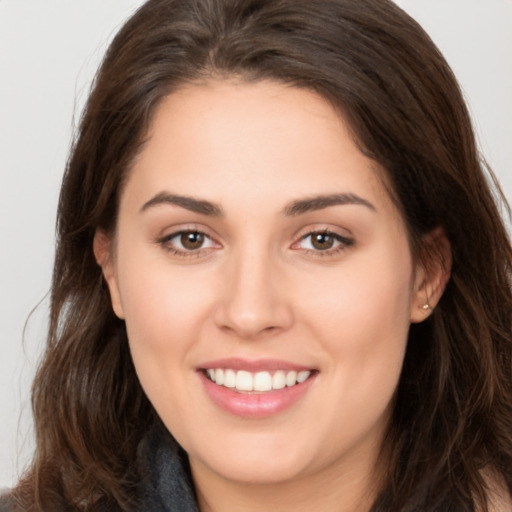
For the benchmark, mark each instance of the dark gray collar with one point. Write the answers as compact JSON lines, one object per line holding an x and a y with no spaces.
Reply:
{"x":166,"y":484}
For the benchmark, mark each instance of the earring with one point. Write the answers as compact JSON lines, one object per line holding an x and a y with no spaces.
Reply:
{"x":425,"y":306}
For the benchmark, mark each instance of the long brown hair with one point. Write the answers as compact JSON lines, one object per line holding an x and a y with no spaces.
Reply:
{"x":453,"y":415}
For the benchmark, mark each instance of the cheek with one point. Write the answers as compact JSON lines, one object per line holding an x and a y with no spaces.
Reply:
{"x":361,"y":321}
{"x":160,"y":300}
{"x":164,"y":315}
{"x":164,"y":308}
{"x":368,"y":294}
{"x":361,"y":317}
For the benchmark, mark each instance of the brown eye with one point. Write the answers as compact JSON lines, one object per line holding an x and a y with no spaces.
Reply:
{"x":192,"y":240}
{"x":322,"y":241}
{"x":188,"y":243}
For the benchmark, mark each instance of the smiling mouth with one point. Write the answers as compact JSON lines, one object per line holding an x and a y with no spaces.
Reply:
{"x":258,"y":382}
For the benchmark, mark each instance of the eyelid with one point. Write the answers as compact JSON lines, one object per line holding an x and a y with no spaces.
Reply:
{"x":184,"y":227}
{"x":164,"y":241}
{"x":344,"y":241}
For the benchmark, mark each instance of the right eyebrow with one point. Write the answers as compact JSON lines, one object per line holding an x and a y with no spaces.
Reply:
{"x":320,"y":202}
{"x":190,"y":203}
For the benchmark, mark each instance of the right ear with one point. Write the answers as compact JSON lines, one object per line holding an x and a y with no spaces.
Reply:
{"x":432,"y":274}
{"x":102,"y":248}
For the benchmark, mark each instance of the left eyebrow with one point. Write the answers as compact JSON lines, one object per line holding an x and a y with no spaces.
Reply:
{"x":189,"y":203}
{"x":310,"y":204}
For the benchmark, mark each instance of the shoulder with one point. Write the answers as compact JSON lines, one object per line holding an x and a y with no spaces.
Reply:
{"x":499,"y":499}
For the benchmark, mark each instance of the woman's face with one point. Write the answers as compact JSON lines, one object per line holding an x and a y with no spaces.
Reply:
{"x":257,"y":247}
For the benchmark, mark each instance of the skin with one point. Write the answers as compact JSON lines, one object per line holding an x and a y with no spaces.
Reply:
{"x":258,"y":288}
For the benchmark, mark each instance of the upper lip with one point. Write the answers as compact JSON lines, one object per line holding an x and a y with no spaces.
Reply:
{"x":258,"y":365}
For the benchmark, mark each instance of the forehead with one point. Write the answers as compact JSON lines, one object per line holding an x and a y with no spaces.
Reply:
{"x":229,"y":141}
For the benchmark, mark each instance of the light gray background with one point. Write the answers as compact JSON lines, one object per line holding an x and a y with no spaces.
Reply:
{"x":49,"y":51}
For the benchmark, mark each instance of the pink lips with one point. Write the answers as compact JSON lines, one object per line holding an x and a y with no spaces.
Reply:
{"x":259,"y":365}
{"x":254,"y":404}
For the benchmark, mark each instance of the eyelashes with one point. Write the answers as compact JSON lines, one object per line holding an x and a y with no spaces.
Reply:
{"x":323,"y":242}
{"x":189,"y":243}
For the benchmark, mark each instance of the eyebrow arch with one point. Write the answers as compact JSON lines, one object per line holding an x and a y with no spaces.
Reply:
{"x":187,"y":202}
{"x":310,"y":204}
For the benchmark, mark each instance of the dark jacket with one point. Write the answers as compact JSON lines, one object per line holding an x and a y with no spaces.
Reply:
{"x":166,"y":485}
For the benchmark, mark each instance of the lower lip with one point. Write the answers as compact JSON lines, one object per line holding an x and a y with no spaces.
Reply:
{"x":255,"y":405}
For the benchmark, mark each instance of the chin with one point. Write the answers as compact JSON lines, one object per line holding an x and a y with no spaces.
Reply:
{"x":259,"y":460}
{"x":256,"y":472}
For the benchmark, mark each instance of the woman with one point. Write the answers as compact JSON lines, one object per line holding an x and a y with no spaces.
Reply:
{"x":271,"y":288}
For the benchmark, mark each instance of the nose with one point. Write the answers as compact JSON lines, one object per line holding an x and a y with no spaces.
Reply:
{"x":253,"y":300}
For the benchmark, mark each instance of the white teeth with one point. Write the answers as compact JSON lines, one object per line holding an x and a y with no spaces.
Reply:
{"x":261,"y":381}
{"x":229,"y":378}
{"x":219,"y":376}
{"x":279,"y":380}
{"x":302,"y":376}
{"x":291,"y":379}
{"x":243,"y":381}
